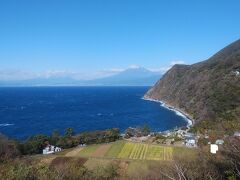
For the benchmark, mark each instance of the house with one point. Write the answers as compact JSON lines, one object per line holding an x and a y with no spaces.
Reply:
{"x":206,"y":136}
{"x":179,"y":143}
{"x":180,"y":133}
{"x":166,"y":133}
{"x":237,"y":134}
{"x":49,"y":149}
{"x":169,"y":141}
{"x":189,"y":135}
{"x":237,"y":73}
{"x":82,"y":145}
{"x":213,"y":148}
{"x":190,"y":142}
{"x":219,"y":142}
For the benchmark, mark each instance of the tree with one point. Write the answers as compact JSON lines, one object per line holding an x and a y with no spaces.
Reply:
{"x":55,"y":137}
{"x":232,"y":154}
{"x":146,"y":130}
{"x":68,"y":132}
{"x":8,"y":148}
{"x":34,"y":144}
{"x":3,"y":145}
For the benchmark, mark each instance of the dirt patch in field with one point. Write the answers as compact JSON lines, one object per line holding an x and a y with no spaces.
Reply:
{"x":74,"y":152}
{"x":101,"y":151}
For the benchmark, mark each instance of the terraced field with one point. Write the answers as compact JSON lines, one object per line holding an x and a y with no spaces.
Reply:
{"x":129,"y":150}
{"x":126,"y":150}
{"x":159,"y":153}
{"x":145,"y":151}
{"x":131,"y":156}
{"x":135,"y":151}
{"x":115,"y":149}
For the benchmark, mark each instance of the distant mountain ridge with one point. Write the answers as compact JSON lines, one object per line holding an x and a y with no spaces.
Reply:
{"x":209,"y":91}
{"x":130,"y":77}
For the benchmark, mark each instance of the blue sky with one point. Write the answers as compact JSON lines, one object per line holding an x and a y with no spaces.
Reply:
{"x":93,"y":38}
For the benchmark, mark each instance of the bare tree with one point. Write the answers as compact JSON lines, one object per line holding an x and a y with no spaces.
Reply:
{"x":232,"y":153}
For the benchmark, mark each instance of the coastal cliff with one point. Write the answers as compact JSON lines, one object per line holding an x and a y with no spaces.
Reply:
{"x":208,"y":91}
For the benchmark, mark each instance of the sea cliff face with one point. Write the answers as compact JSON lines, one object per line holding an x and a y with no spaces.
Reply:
{"x":208,"y":91}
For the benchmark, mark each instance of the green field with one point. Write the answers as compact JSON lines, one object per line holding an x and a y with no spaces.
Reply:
{"x":88,"y":150}
{"x":115,"y":149}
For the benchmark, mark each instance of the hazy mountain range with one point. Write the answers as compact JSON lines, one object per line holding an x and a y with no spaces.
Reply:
{"x":130,"y":77}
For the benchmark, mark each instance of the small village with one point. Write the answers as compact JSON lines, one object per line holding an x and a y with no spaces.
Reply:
{"x":177,"y":137}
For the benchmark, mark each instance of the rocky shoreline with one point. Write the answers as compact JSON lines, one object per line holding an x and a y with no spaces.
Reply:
{"x":179,"y":112}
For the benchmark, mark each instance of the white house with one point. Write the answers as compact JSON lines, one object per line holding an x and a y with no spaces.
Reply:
{"x":237,"y":134}
{"x":51,"y":149}
{"x":219,"y":142}
{"x":237,"y":73}
{"x":213,"y":148}
{"x":190,"y":142}
{"x":180,"y":133}
{"x":188,"y":134}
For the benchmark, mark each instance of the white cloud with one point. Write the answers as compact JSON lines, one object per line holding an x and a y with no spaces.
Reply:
{"x":103,"y":73}
{"x":116,"y":70}
{"x":109,"y":72}
{"x":15,"y":74}
{"x":163,"y":70}
{"x":57,"y":73}
{"x":134,"y":66}
{"x":176,"y":62}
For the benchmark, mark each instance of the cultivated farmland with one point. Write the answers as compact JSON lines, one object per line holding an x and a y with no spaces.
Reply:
{"x":88,"y":150}
{"x":115,"y":149}
{"x":145,"y":151}
{"x":133,"y":151}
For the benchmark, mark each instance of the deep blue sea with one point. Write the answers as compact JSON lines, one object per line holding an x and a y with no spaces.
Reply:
{"x":26,"y":111}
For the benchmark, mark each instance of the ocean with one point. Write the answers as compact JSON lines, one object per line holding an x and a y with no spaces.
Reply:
{"x":26,"y":111}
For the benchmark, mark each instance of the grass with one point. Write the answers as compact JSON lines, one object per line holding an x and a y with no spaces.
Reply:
{"x":88,"y":150}
{"x":185,"y":153}
{"x":137,"y":165}
{"x":94,"y":163}
{"x":115,"y":149}
{"x":137,"y":168}
{"x":61,"y":161}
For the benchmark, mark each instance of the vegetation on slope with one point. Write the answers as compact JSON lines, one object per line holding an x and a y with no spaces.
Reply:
{"x":224,"y":165}
{"x":209,"y":91}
